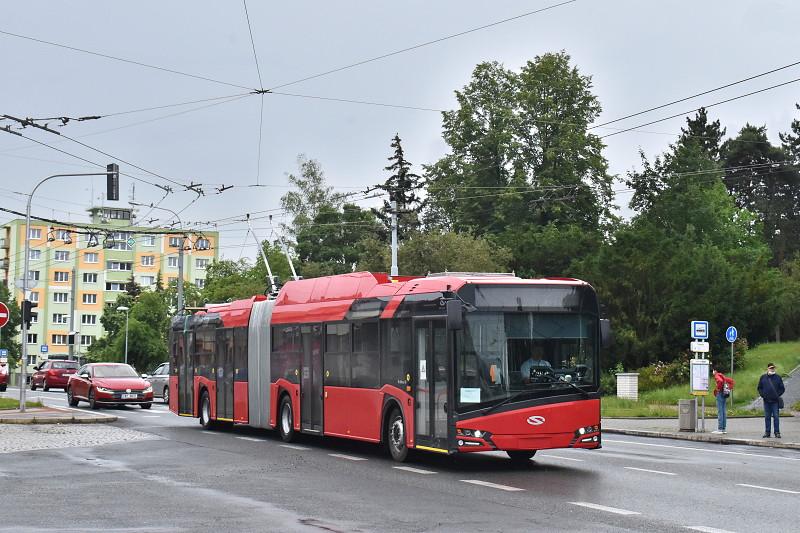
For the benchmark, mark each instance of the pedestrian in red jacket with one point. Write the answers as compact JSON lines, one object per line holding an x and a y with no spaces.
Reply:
{"x":722,"y":391}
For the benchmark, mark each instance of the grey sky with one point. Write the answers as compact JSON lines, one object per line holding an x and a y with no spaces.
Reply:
{"x":639,"y":54}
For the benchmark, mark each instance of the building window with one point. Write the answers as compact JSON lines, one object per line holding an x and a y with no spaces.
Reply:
{"x":62,"y":276}
{"x":148,"y":260}
{"x":116,"y":286}
{"x":33,"y":338}
{"x":60,"y":297}
{"x":34,"y":318}
{"x":63,"y":235}
{"x":59,"y":339}
{"x":87,"y":340}
{"x":91,"y":257}
{"x":88,"y":320}
{"x":119,"y":265}
{"x":35,"y":254}
{"x":201,"y":263}
{"x":175,"y":242}
{"x":172,"y":261}
{"x":147,"y":281}
{"x":90,"y":298}
{"x":34,"y":297}
{"x":60,"y":318}
{"x":62,"y":255}
{"x":117,"y":214}
{"x":120,"y":240}
{"x":33,"y":275}
{"x":34,"y":233}
{"x":149,"y":240}
{"x":202,"y":244}
{"x":90,"y":278}
{"x":200,"y":283}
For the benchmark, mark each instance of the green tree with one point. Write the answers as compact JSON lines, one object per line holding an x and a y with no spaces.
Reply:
{"x":422,"y":253}
{"x":10,"y":331}
{"x":403,"y":187}
{"x":228,"y":280}
{"x":312,"y":192}
{"x":523,"y":162}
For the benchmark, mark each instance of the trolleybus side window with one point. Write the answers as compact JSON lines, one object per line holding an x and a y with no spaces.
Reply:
{"x":204,"y":346}
{"x":286,"y":351}
{"x":396,"y":352}
{"x":365,"y":362}
{"x":338,"y":345}
{"x":240,"y":353}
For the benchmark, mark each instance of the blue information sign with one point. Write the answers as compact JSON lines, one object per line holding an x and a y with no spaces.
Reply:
{"x":43,"y":348}
{"x":731,"y":334}
{"x":700,"y":329}
{"x":3,"y":352}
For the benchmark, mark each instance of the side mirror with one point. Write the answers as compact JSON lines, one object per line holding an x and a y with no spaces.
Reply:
{"x":455,"y":315}
{"x":606,"y":335}
{"x":145,"y":376}
{"x":85,"y":375}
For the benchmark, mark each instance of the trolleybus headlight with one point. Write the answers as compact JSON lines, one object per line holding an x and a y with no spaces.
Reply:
{"x":478,"y":433}
{"x":581,"y":431}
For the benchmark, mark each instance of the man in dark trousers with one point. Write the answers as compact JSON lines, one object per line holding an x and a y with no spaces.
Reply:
{"x":770,"y":388}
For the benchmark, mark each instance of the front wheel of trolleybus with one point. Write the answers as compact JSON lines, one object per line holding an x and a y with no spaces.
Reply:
{"x":396,"y":436}
{"x":286,"y":422}
{"x":205,"y":411}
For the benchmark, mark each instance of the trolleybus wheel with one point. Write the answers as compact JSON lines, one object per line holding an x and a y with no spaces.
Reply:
{"x":520,"y":456}
{"x":396,"y":436}
{"x":286,"y":420}
{"x":205,"y":411}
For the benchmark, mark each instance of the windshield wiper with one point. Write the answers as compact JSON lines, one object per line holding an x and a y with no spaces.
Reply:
{"x":507,"y":400}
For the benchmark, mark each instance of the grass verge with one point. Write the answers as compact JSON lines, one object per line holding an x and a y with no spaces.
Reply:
{"x":11,"y":403}
{"x":663,"y":403}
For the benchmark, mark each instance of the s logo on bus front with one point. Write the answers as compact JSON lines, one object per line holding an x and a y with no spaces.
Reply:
{"x":536,"y":420}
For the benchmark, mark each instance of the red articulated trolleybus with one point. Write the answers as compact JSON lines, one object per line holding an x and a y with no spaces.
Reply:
{"x":447,"y":363}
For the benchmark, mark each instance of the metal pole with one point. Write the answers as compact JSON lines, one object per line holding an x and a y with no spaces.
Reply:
{"x":126,"y":336}
{"x":273,"y":289}
{"x":24,"y":356}
{"x":180,"y":275}
{"x":72,"y":310}
{"x":394,"y":270}
{"x":731,"y":374}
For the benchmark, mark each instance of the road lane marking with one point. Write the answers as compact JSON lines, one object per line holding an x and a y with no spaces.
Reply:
{"x":767,"y":488}
{"x":605,"y":441}
{"x":210,"y":433}
{"x":604,"y":508}
{"x":651,"y":471}
{"x":252,"y":439}
{"x":560,"y":457}
{"x":151,"y":416}
{"x":348,"y":457}
{"x":707,"y":529}
{"x":293,"y":447}
{"x":414,"y":470}
{"x":491,"y":485}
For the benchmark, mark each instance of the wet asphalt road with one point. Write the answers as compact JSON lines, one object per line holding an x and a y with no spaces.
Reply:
{"x":238,"y":479}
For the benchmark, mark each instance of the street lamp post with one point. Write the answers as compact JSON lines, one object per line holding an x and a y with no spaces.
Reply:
{"x":24,"y":361}
{"x":126,"y":309}
{"x":180,"y":253}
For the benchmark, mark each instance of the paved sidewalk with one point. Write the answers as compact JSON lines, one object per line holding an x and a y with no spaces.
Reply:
{"x":53,"y":415}
{"x":740,"y":430}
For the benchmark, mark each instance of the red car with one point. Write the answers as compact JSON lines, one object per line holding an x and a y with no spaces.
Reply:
{"x":109,"y":384}
{"x":3,"y":376}
{"x":53,"y":374}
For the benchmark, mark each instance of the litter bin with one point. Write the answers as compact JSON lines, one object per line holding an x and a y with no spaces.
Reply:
{"x":687,"y":415}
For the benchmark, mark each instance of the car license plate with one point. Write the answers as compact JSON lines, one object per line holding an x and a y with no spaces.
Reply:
{"x":129,"y":396}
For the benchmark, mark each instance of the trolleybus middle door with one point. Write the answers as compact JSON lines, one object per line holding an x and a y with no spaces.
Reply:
{"x":433,"y":376}
{"x":311,"y":379}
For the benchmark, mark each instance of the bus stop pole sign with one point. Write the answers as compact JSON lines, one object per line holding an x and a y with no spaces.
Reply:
{"x":731,"y":334}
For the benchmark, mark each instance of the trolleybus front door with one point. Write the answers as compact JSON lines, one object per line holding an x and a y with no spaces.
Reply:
{"x":311,"y":379}
{"x":433,"y":376}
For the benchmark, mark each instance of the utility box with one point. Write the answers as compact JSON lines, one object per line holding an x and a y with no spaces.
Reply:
{"x":628,"y":385}
{"x":687,"y":415}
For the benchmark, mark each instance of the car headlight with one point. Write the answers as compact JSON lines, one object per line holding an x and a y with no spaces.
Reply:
{"x":103,"y":389}
{"x":148,"y":389}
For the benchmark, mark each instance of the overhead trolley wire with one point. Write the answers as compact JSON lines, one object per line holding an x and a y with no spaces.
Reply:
{"x":122,"y":59}
{"x":420,"y":45}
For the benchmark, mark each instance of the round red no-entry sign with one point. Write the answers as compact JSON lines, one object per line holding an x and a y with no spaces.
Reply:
{"x":5,"y":316}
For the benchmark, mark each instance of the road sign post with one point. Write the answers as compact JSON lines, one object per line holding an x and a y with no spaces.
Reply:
{"x":731,"y":334}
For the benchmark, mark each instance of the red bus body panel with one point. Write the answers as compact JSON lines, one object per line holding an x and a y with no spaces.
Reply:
{"x":353,"y":413}
{"x":199,"y":384}
{"x":240,"y":402}
{"x":173,"y":398}
{"x":535,"y":428}
{"x":275,"y":390}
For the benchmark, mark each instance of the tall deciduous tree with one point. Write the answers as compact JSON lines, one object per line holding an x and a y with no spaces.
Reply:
{"x":524,"y":166}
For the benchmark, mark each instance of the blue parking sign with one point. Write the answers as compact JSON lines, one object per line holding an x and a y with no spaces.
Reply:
{"x":43,"y":348}
{"x":731,"y":334}
{"x":3,"y":352}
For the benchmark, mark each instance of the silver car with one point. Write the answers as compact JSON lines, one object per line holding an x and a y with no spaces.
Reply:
{"x":159,"y":378}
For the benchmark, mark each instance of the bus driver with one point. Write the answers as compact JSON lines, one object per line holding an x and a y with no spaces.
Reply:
{"x":536,"y":361}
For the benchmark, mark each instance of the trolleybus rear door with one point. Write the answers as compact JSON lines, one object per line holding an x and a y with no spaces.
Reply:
{"x":433,"y":376}
{"x":311,"y":379}
{"x":185,"y":369}
{"x":224,"y":374}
